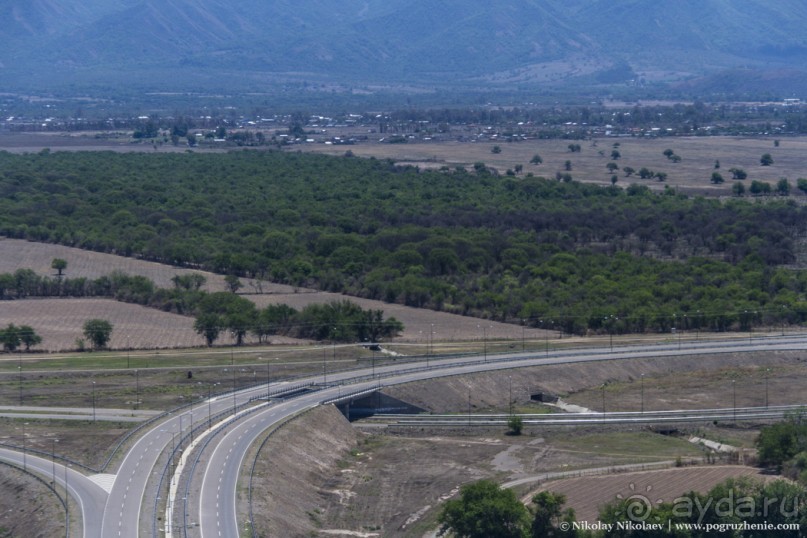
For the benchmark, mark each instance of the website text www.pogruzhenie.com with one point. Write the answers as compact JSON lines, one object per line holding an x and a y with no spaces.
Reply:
{"x":675,"y":526}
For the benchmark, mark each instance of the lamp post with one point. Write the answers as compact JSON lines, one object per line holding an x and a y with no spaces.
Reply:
{"x":53,"y":442}
{"x":603,"y":401}
{"x":510,"y":401}
{"x":469,"y":406}
{"x":523,"y":340}
{"x":734,"y":392}
{"x":268,"y":380}
{"x":324,"y":367}
{"x":484,"y":342}
{"x":372,"y":350}
{"x":767,"y":371}
{"x":128,"y":350}
{"x":19,"y":370}
{"x":642,"y":378}
{"x":209,"y":397}
{"x":431,"y":340}
{"x":93,"y":401}
{"x":24,"y":445}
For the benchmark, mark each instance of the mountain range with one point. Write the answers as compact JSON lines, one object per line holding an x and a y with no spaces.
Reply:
{"x":165,"y":45}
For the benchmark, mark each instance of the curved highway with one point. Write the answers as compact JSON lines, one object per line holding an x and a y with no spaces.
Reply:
{"x":216,"y":486}
{"x":89,"y":496}
{"x":128,"y":510}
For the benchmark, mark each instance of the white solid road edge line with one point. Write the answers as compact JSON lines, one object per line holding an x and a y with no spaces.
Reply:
{"x":174,"y":484}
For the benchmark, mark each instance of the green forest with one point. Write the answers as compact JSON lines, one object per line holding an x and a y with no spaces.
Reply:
{"x":525,"y":249}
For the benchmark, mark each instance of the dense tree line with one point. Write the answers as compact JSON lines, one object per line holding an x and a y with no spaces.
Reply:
{"x":13,"y":337}
{"x":556,"y":254}
{"x":341,"y":321}
{"x":336,"y":321}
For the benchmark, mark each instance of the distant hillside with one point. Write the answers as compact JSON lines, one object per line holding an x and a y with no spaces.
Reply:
{"x":418,"y":42}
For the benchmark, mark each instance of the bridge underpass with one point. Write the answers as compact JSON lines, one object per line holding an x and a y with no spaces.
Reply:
{"x":376,"y":402}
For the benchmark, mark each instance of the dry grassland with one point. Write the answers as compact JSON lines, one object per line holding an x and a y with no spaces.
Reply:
{"x":692,"y":174}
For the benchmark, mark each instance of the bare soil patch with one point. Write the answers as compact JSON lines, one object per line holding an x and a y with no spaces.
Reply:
{"x":20,"y":254}
{"x":589,"y":494}
{"x":60,"y":323}
{"x":88,"y":443}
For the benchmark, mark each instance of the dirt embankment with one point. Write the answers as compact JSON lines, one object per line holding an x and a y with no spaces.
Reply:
{"x":28,"y":509}
{"x":293,"y":471}
{"x":669,"y":383}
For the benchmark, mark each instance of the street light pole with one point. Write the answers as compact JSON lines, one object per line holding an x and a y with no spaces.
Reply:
{"x":24,"y":457}
{"x":523,"y":340}
{"x":603,"y":401}
{"x":19,"y":369}
{"x":324,"y":367}
{"x":485,"y":343}
{"x":431,"y":340}
{"x":234,"y":406}
{"x":53,"y":458}
{"x":510,"y":401}
{"x":767,"y":370}
{"x":267,"y":379}
{"x":734,"y":391}
{"x":93,"y":401}
{"x":128,"y":350}
{"x":642,"y":378}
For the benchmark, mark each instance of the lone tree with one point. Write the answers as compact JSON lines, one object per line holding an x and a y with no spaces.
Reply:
{"x":98,"y":331}
{"x":515,"y":424}
{"x":766,"y":159}
{"x":549,"y":516}
{"x":536,"y":159}
{"x":233,"y":283}
{"x":10,"y":337}
{"x":60,"y":265}
{"x":484,"y":510}
{"x":208,"y":325}
{"x":28,"y":337}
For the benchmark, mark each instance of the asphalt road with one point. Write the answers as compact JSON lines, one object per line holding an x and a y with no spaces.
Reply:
{"x":212,"y":498}
{"x":217,"y":492}
{"x":90,"y":497}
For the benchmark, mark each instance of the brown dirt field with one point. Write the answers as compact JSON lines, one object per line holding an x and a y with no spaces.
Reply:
{"x":692,"y":173}
{"x":419,"y":324}
{"x":57,"y":320}
{"x":27,"y":508}
{"x":586,"y":495}
{"x":19,"y":254}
